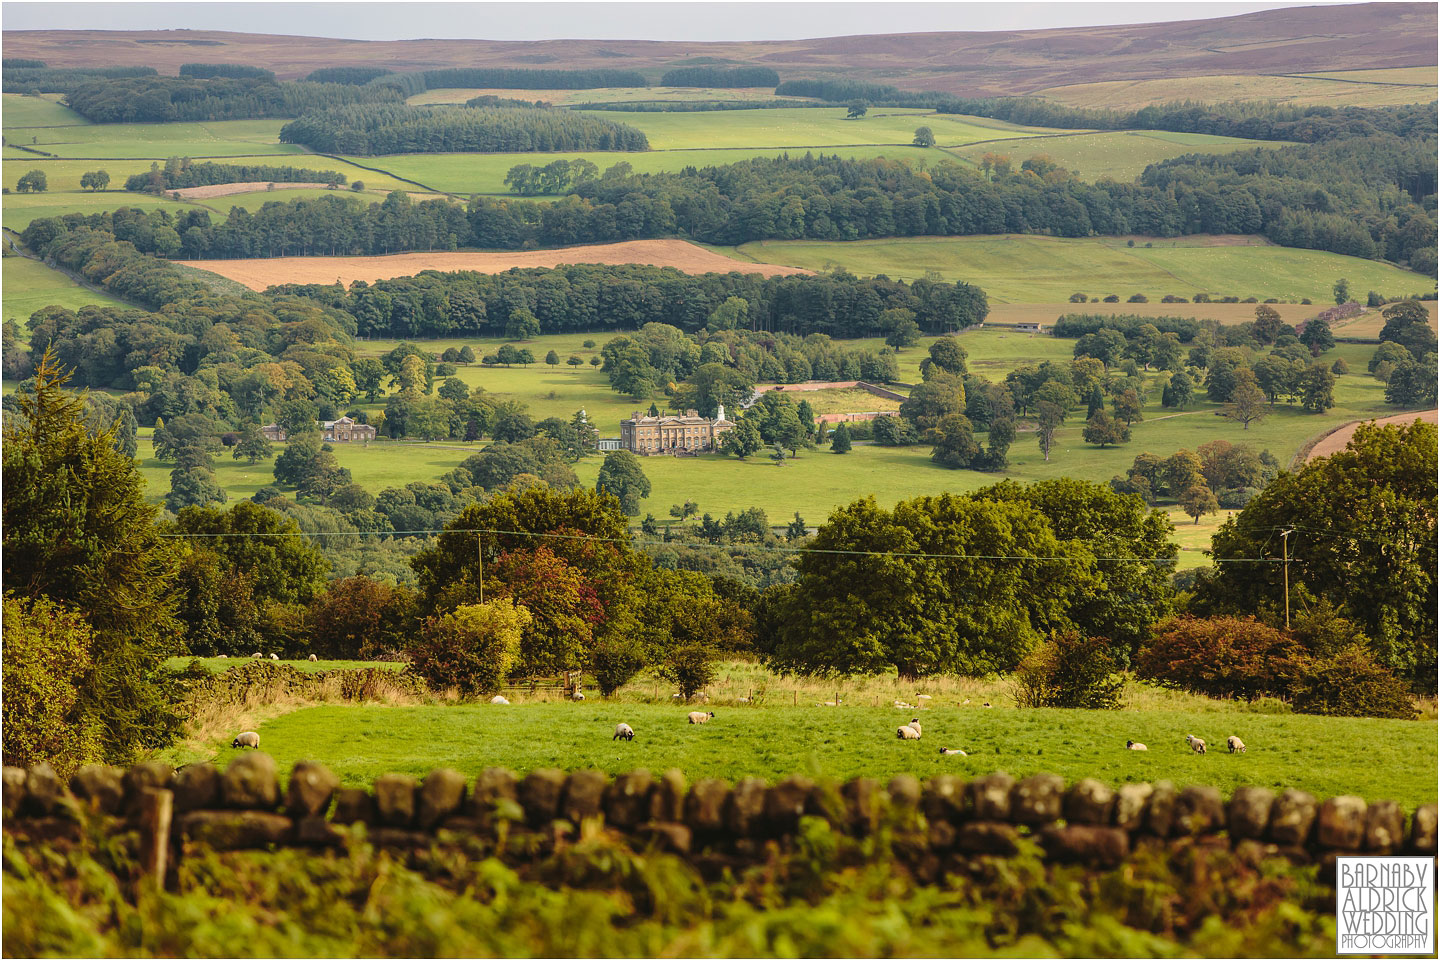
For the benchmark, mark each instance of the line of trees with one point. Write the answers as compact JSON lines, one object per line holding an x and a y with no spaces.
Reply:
{"x":720,"y":77}
{"x":25,"y":78}
{"x":181,"y":172}
{"x":166,"y":99}
{"x":351,"y":75}
{"x":235,"y":71}
{"x":392,"y":128}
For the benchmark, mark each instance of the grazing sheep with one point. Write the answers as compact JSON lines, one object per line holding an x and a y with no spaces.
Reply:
{"x":700,"y":717}
{"x":624,"y":731}
{"x":964,"y":702}
{"x":246,"y":739}
{"x":314,"y":658}
{"x":910,"y":732}
{"x":1196,"y":745}
{"x":988,"y":704}
{"x":257,"y":654}
{"x":1135,"y":746}
{"x":1236,"y":745}
{"x":499,"y":699}
{"x":578,"y":696}
{"x":946,"y":750}
{"x":274,"y":657}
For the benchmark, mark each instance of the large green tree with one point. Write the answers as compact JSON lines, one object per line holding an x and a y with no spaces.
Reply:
{"x":77,"y":531}
{"x":622,"y":476}
{"x":1364,"y":523}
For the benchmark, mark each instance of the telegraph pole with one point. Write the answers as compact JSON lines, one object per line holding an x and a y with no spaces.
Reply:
{"x":480,"y":556}
{"x":1285,"y":546}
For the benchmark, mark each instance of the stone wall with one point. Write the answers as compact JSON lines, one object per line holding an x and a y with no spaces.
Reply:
{"x":712,"y":822}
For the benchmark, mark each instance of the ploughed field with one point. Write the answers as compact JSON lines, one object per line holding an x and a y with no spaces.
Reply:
{"x":1376,"y":759}
{"x":692,"y":259}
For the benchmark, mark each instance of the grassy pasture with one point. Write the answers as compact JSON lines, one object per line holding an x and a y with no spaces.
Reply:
{"x":1121,"y":155}
{"x":17,"y":110}
{"x":561,"y":98}
{"x":1300,"y":90}
{"x":1316,"y":754}
{"x":1410,"y":76}
{"x":64,"y":175}
{"x":1023,"y":268}
{"x":19,"y":210}
{"x":221,"y":138}
{"x":468,"y":173}
{"x":215,"y":665}
{"x":28,"y":285}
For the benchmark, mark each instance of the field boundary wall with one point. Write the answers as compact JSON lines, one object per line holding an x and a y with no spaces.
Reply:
{"x":936,"y":826}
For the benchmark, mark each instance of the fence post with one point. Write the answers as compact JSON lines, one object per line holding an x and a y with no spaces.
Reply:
{"x":157,"y":806}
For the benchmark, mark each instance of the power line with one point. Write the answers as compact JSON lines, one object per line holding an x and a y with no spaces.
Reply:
{"x":749,"y":547}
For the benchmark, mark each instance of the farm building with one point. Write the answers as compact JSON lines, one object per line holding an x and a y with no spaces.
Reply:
{"x":343,"y":431}
{"x":673,"y":432}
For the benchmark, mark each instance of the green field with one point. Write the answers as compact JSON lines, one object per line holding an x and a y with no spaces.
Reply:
{"x":1315,"y":754}
{"x":217,"y":664}
{"x":1027,"y":268}
{"x":21,"y":111}
{"x":220,"y":138}
{"x":1295,"y":89}
{"x":600,"y":94}
{"x":1121,"y":155}
{"x":29,"y":285}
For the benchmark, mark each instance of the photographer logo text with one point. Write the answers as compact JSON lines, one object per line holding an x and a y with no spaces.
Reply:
{"x":1384,"y":905}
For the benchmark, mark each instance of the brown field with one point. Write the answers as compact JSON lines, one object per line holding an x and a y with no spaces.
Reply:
{"x":251,"y":186}
{"x":1369,"y":323}
{"x":265,"y":272}
{"x":1225,"y":313}
{"x":1335,"y":441}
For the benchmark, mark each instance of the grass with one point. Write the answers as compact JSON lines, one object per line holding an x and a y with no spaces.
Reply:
{"x":29,"y":285}
{"x":217,"y":664}
{"x":21,"y":111}
{"x":485,"y":173}
{"x":220,"y":138}
{"x":1028,"y":268}
{"x":1412,"y":76}
{"x":19,"y":210}
{"x":1120,"y":155}
{"x":64,"y":175}
{"x":359,"y":743}
{"x":1221,"y":88}
{"x":601,"y":94}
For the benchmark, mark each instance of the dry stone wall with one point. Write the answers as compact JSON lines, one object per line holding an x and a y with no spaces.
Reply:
{"x":711,"y":821}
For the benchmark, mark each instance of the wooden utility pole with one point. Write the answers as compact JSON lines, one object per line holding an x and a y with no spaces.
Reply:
{"x":1285,"y":548}
{"x":480,"y":556}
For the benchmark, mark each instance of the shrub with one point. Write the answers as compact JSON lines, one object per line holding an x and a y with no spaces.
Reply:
{"x":1070,"y":670}
{"x":1235,"y":498}
{"x":47,"y":658}
{"x":1112,"y":298}
{"x":1350,"y":683}
{"x":1078,"y":298}
{"x":689,"y":667}
{"x":614,"y":661}
{"x":1221,"y":657}
{"x":471,"y":649}
{"x":1138,"y":299}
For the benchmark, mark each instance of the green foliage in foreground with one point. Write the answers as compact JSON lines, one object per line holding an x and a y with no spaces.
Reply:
{"x":829,"y":896}
{"x":1326,"y":756}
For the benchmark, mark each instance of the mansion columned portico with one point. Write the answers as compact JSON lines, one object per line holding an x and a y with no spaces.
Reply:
{"x":673,"y":432}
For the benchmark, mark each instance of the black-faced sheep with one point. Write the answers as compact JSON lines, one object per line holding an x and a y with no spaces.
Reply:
{"x":623,"y":732}
{"x":1196,"y":745}
{"x":946,"y":750}
{"x":910,"y":732}
{"x":274,"y":657}
{"x":1236,"y":745}
{"x":700,"y":717}
{"x":246,"y":739}
{"x":1135,"y":746}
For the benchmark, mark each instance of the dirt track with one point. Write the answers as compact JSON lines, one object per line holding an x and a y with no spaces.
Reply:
{"x":1334,"y":443}
{"x":262,"y":273}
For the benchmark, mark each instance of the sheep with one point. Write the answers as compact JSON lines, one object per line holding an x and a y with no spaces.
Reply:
{"x":946,"y":750}
{"x":1236,"y":745}
{"x":314,"y":658}
{"x":499,"y":699}
{"x":1135,"y":746}
{"x":578,"y":696}
{"x":964,"y":702}
{"x":910,"y":732}
{"x":1196,"y":745}
{"x":903,"y":706}
{"x":624,"y":731}
{"x":246,"y":739}
{"x":988,"y":704}
{"x":700,"y":717}
{"x":834,"y":703}
{"x":257,"y":654}
{"x":274,"y":657}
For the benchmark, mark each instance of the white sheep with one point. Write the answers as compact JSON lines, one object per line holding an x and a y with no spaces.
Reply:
{"x":246,"y":739}
{"x":700,"y":717}
{"x":834,"y":703}
{"x":624,"y":732}
{"x":910,"y":732}
{"x":946,"y":750}
{"x":578,"y":696}
{"x":1236,"y":745}
{"x":902,"y":704}
{"x":1135,"y":746}
{"x":274,"y":657}
{"x":314,"y":658}
{"x":499,"y":699}
{"x":223,"y":656}
{"x":1196,"y":745}
{"x":257,"y":654}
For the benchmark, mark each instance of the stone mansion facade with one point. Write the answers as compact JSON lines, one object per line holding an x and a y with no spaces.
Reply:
{"x":342,"y":431}
{"x":675,"y":433}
